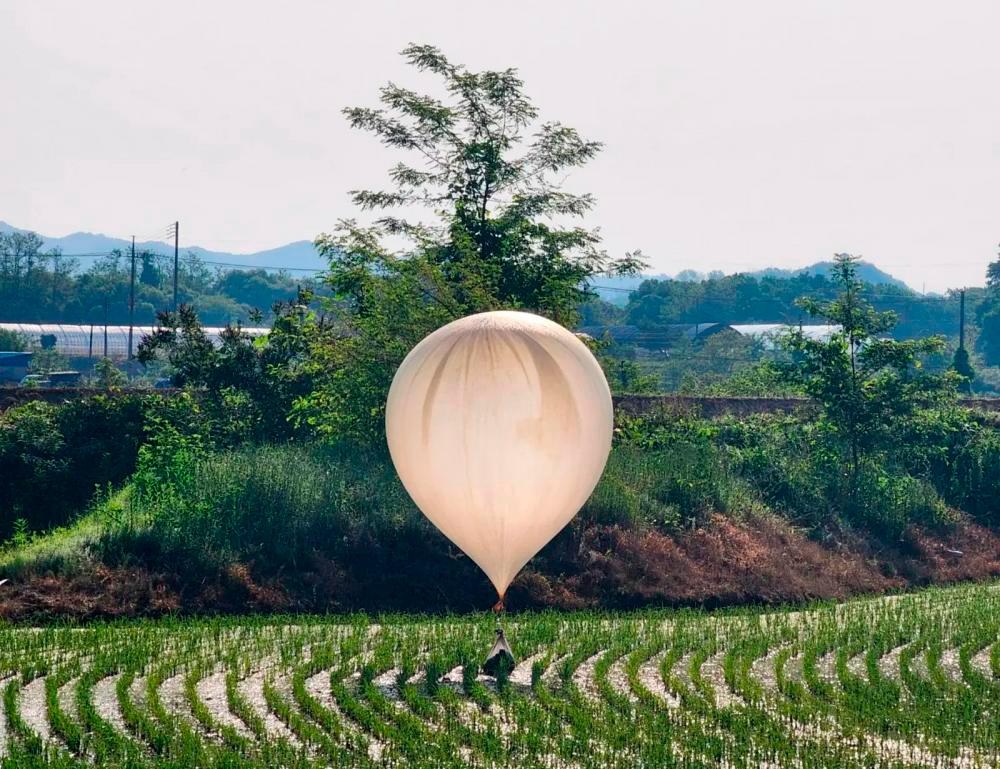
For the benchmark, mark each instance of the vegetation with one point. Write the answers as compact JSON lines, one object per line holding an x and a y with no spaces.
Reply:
{"x":11,"y":341}
{"x":263,"y":484}
{"x":54,"y":459}
{"x":868,"y":386}
{"x":273,"y":459}
{"x":39,"y":286}
{"x":494,"y":194}
{"x":908,"y":681}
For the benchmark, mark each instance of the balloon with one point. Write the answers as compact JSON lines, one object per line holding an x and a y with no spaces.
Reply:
{"x":499,"y":425}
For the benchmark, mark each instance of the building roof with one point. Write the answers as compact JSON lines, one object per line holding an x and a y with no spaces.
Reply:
{"x":768,"y":333}
{"x":820,"y":332}
{"x":81,"y":340}
{"x":691,"y":331}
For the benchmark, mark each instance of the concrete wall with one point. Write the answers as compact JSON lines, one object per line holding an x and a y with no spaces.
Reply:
{"x":626,"y":404}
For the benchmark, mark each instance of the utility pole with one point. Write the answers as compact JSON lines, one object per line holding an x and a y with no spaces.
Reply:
{"x":961,"y":320}
{"x":131,"y":301}
{"x":177,"y":229}
{"x":55,"y":276}
{"x":105,"y":325}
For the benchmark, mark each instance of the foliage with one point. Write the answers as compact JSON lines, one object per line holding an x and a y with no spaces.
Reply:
{"x":988,"y":317}
{"x":30,"y":277}
{"x":867,"y":385}
{"x":250,"y":384}
{"x":268,"y":503}
{"x":107,"y":375}
{"x":52,"y":457}
{"x":46,"y":359}
{"x":962,"y":366}
{"x":626,"y":377}
{"x":792,"y":466}
{"x":47,"y":287}
{"x":11,"y":341}
{"x":663,"y":688}
{"x":494,"y":191}
{"x":757,"y":380}
{"x":743,"y":298}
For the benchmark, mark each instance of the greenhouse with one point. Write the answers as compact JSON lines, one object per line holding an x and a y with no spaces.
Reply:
{"x":96,"y":341}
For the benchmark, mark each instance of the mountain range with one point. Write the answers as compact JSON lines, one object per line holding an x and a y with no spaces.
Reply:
{"x":301,"y":256}
{"x":615,"y":290}
{"x":297,"y":256}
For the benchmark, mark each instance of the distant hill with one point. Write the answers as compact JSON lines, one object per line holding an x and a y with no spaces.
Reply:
{"x":298,"y":256}
{"x":616,"y":290}
{"x":867,"y":273}
{"x":301,"y":255}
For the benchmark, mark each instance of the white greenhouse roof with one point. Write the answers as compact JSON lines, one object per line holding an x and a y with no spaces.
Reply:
{"x":818,"y":332}
{"x":77,"y":341}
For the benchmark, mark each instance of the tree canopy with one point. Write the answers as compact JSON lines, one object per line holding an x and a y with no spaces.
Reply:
{"x":502,"y":233}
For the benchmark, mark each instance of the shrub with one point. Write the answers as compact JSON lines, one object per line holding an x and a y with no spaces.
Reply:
{"x":278,"y":504}
{"x":12,"y":341}
{"x":787,"y":463}
{"x":624,"y":497}
{"x":886,"y":503}
{"x":53,"y":457}
{"x":676,"y":485}
{"x":974,"y":482}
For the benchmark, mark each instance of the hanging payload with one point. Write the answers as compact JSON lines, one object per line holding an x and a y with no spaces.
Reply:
{"x":500,"y":657}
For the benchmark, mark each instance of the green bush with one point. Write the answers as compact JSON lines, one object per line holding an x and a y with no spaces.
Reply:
{"x":625,"y":495}
{"x":678,"y":484}
{"x":53,"y":457}
{"x":274,"y":503}
{"x":12,"y":341}
{"x":887,"y":503}
{"x":974,"y":482}
{"x":788,"y":463}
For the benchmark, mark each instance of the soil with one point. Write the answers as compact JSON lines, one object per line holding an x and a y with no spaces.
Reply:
{"x":724,"y":563}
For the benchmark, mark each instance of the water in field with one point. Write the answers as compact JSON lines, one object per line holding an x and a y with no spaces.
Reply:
{"x":902,"y":681}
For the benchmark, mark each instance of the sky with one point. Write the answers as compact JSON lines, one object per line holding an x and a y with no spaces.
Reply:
{"x":738,"y":135}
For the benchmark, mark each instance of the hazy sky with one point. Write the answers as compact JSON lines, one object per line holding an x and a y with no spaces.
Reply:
{"x":738,"y":134}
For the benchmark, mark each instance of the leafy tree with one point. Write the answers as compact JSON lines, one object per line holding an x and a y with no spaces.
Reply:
{"x":962,"y":366}
{"x":150,"y":274}
{"x":993,"y":275}
{"x":988,"y":317}
{"x":249,"y":383}
{"x":867,"y":385}
{"x":46,"y":359}
{"x":490,"y":176}
{"x":11,"y":341}
{"x":257,"y":288}
{"x":626,"y":377}
{"x":108,"y":375}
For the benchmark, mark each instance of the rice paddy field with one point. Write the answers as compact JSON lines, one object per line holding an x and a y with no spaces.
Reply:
{"x":903,"y":681}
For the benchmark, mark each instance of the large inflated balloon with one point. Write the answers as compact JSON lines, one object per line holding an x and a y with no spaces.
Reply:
{"x":499,"y":425}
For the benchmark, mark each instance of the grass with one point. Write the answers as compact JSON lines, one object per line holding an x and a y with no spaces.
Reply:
{"x":914,"y":684}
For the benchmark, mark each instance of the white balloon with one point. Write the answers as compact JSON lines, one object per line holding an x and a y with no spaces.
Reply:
{"x":499,"y":425}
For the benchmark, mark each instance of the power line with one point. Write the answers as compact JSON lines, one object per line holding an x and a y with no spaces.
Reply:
{"x":123,"y":255}
{"x":883,"y":298}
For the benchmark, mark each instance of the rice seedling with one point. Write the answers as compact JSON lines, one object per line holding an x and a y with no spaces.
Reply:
{"x":901,"y":681}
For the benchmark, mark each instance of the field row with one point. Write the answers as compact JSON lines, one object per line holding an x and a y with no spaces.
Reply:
{"x":905,"y":681}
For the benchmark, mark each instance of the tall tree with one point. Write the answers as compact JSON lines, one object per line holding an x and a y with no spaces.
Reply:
{"x":499,"y":233}
{"x":988,"y":317}
{"x":492,"y":176}
{"x":868,"y":385}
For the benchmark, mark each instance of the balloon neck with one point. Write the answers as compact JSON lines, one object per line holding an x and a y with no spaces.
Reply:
{"x":498,"y":607}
